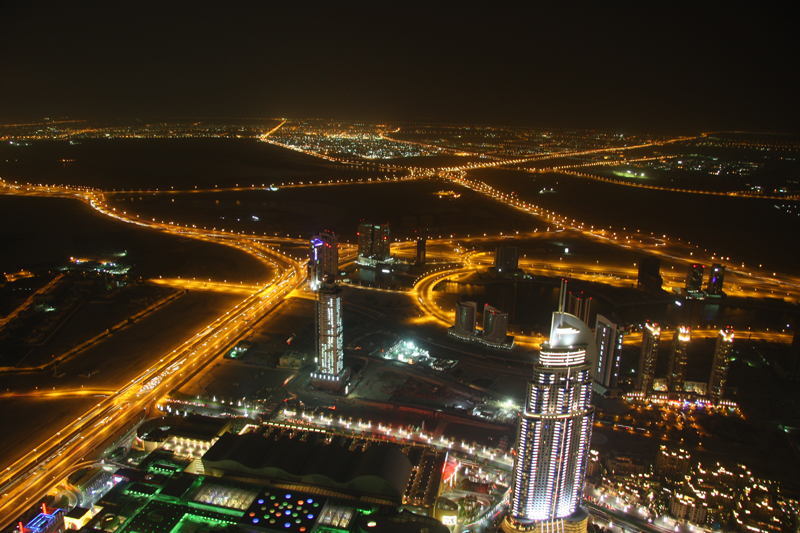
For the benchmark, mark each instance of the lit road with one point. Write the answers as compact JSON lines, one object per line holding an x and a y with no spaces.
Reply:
{"x":30,"y":300}
{"x":748,"y":281}
{"x":465,"y":263}
{"x":744,"y":282}
{"x":207,"y":285}
{"x":32,"y":476}
{"x":739,"y":194}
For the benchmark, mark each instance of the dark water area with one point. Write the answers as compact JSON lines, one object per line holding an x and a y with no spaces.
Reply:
{"x":747,"y":230}
{"x":409,"y":207}
{"x":164,"y":164}
{"x":43,"y":233}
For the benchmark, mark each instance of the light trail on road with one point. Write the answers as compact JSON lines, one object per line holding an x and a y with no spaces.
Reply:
{"x":30,"y":477}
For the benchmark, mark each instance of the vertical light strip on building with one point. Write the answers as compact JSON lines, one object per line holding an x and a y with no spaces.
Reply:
{"x":555,"y":430}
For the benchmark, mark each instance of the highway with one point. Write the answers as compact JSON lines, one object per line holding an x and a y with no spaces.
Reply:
{"x":32,"y":476}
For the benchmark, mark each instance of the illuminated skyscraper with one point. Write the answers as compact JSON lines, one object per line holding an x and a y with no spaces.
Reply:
{"x":676,"y":374}
{"x":554,"y":432}
{"x":722,"y":360}
{"x":373,"y":243}
{"x":330,"y":354}
{"x":323,"y":259}
{"x":717,"y":275}
{"x":608,"y":338}
{"x":694,"y":279}
{"x":647,"y":362}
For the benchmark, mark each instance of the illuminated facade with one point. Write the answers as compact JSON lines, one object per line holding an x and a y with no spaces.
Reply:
{"x":722,"y":360}
{"x":323,"y":259}
{"x":554,"y":432}
{"x":676,"y":374}
{"x":651,"y":336}
{"x":608,"y":339}
{"x":330,"y":354}
{"x":373,"y":243}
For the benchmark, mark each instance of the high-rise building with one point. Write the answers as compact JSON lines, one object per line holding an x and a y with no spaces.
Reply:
{"x":580,"y":305}
{"x":647,"y":362}
{"x":466,"y":318}
{"x":694,"y":279}
{"x":554,"y":432}
{"x":649,"y":279}
{"x":506,"y":258}
{"x":495,"y":325}
{"x":373,"y":243}
{"x":421,"y":246}
{"x":676,"y":374}
{"x":722,"y":360}
{"x":608,"y":339}
{"x":330,"y":347}
{"x":717,"y":275}
{"x":323,"y":259}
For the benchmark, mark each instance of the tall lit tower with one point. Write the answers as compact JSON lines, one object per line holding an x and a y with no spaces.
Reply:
{"x":554,"y":432}
{"x":323,"y":259}
{"x":608,"y":338}
{"x":330,"y":354}
{"x":647,"y":362}
{"x":676,"y":374}
{"x":722,"y":360}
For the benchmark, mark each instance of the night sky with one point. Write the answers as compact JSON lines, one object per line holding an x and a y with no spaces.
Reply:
{"x":643,"y":66}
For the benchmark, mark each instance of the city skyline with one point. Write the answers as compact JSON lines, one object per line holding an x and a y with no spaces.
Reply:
{"x":274,"y":267}
{"x":377,"y":353}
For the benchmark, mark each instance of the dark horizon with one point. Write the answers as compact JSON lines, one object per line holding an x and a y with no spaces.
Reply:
{"x":650,"y":68}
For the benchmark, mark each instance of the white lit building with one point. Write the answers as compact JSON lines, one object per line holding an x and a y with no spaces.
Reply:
{"x":554,"y":432}
{"x":330,"y":353}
